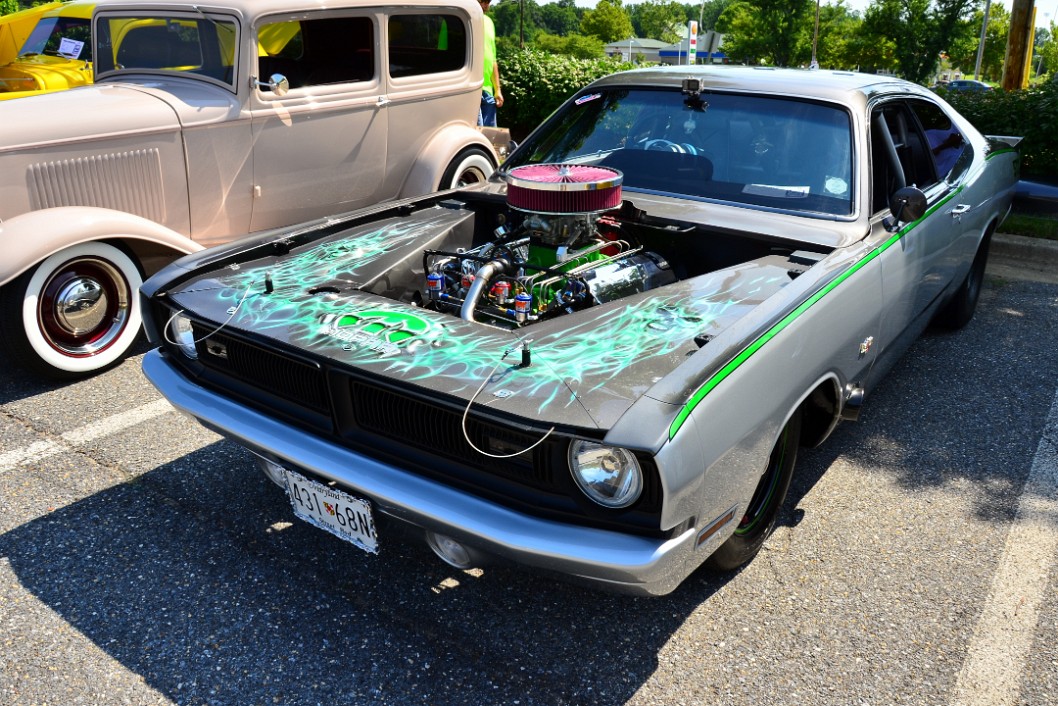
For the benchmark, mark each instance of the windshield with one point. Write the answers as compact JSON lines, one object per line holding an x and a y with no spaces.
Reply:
{"x":204,"y":46}
{"x":773,"y":152}
{"x":60,"y":36}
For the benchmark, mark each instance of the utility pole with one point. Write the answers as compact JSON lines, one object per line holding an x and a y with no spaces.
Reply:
{"x":815,"y":40}
{"x":981,"y":44}
{"x":1019,"y":43}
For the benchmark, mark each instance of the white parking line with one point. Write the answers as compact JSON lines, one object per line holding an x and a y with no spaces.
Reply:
{"x":40,"y":450}
{"x":991,"y":674}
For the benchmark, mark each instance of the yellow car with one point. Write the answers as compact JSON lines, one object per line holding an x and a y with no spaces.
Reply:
{"x":45,"y":49}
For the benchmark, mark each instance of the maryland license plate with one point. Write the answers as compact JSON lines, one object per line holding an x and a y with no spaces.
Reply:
{"x":333,"y":510}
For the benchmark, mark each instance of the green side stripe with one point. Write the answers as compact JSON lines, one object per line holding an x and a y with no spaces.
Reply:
{"x":771,"y":333}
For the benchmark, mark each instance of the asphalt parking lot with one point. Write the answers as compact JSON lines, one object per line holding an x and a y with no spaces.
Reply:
{"x":145,"y":561}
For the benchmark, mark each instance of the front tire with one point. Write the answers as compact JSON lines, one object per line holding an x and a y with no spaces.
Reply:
{"x":471,"y":166}
{"x":74,"y":314}
{"x":761,"y":513}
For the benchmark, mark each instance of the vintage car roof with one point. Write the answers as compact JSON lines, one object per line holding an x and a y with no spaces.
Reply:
{"x":255,"y":8}
{"x":74,"y":8}
{"x":840,"y":86}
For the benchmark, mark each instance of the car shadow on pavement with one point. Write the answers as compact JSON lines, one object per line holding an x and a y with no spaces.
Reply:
{"x":963,"y":406}
{"x":18,"y":384}
{"x":196,"y":577}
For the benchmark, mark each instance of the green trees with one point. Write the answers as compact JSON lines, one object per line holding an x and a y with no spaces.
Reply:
{"x":1046,"y":56}
{"x":658,"y":19}
{"x":560,"y":18}
{"x":776,"y":32}
{"x":921,"y":30}
{"x":908,"y":37}
{"x":609,"y":21}
{"x":962,"y":51}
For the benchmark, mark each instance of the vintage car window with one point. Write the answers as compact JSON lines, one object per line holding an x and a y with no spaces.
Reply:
{"x":426,"y":44}
{"x":318,"y":52}
{"x":949,"y":148}
{"x":200,"y":46}
{"x":69,"y":37}
{"x":769,"y":152}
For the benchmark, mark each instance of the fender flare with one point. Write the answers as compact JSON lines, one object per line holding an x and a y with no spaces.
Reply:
{"x":438,"y":153}
{"x":66,"y":226}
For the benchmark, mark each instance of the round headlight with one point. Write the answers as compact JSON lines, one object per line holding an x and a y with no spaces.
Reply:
{"x":181,"y":335}
{"x":608,"y":475}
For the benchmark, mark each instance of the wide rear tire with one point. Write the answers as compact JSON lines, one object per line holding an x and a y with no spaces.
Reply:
{"x":960,"y":308}
{"x":763,"y":509}
{"x":75,"y":314}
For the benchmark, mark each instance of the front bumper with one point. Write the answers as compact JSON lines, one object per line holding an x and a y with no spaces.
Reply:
{"x":606,"y":559}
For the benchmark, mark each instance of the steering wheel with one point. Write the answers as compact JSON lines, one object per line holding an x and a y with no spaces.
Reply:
{"x":659,"y":144}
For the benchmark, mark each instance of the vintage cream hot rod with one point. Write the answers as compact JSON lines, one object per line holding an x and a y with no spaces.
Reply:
{"x":208,"y":123}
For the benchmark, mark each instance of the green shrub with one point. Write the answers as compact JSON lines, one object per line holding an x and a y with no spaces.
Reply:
{"x":578,"y":46}
{"x":1031,"y":113}
{"x":535,"y":83}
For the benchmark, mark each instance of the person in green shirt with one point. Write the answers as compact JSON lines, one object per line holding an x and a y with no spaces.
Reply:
{"x":491,"y":95}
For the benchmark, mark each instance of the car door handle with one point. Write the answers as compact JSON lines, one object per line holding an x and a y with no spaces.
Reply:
{"x":383,"y":101}
{"x":960,"y":209}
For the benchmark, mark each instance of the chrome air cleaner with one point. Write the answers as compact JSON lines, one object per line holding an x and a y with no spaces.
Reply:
{"x":564,"y":188}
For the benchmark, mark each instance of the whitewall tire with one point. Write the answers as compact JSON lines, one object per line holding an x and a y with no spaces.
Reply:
{"x":75,"y":313}
{"x":471,"y":166}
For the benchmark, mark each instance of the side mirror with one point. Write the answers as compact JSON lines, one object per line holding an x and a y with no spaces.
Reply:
{"x":277,"y":84}
{"x":907,"y":204}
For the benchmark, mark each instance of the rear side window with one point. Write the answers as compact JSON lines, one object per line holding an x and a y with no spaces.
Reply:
{"x":318,"y":52}
{"x":946,"y":142}
{"x":426,"y":44}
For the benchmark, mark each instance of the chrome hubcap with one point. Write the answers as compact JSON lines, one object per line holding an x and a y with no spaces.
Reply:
{"x":84,"y":307}
{"x":80,"y":306}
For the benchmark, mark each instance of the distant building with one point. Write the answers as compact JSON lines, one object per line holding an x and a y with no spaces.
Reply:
{"x":708,"y":50}
{"x":635,"y":49}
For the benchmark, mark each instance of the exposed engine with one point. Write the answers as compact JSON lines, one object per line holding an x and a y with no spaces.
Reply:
{"x":560,"y":256}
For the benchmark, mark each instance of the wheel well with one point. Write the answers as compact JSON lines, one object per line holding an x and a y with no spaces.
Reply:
{"x":148,"y":255}
{"x":820,"y":412}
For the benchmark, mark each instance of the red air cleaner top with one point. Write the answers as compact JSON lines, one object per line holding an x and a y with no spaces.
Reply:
{"x":564,"y":188}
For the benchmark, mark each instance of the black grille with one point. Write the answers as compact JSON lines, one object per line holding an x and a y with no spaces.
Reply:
{"x":300,"y":382}
{"x":431,"y":428}
{"x":422,"y":434}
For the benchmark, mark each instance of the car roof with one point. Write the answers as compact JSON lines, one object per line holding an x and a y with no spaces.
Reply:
{"x":256,"y":8}
{"x":840,"y":86}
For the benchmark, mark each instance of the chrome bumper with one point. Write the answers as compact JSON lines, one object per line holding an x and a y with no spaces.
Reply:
{"x":609,"y":560}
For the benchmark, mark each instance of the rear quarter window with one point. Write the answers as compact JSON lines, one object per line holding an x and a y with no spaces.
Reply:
{"x":422,"y":44}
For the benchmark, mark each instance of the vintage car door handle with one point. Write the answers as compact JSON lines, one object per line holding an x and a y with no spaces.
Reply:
{"x":382,"y":101}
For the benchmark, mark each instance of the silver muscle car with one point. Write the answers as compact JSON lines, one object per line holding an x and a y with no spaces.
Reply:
{"x":601,"y":363}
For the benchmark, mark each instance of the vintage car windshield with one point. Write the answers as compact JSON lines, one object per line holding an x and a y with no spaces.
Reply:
{"x":202,"y":46}
{"x":767,"y":152}
{"x":69,"y":37}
